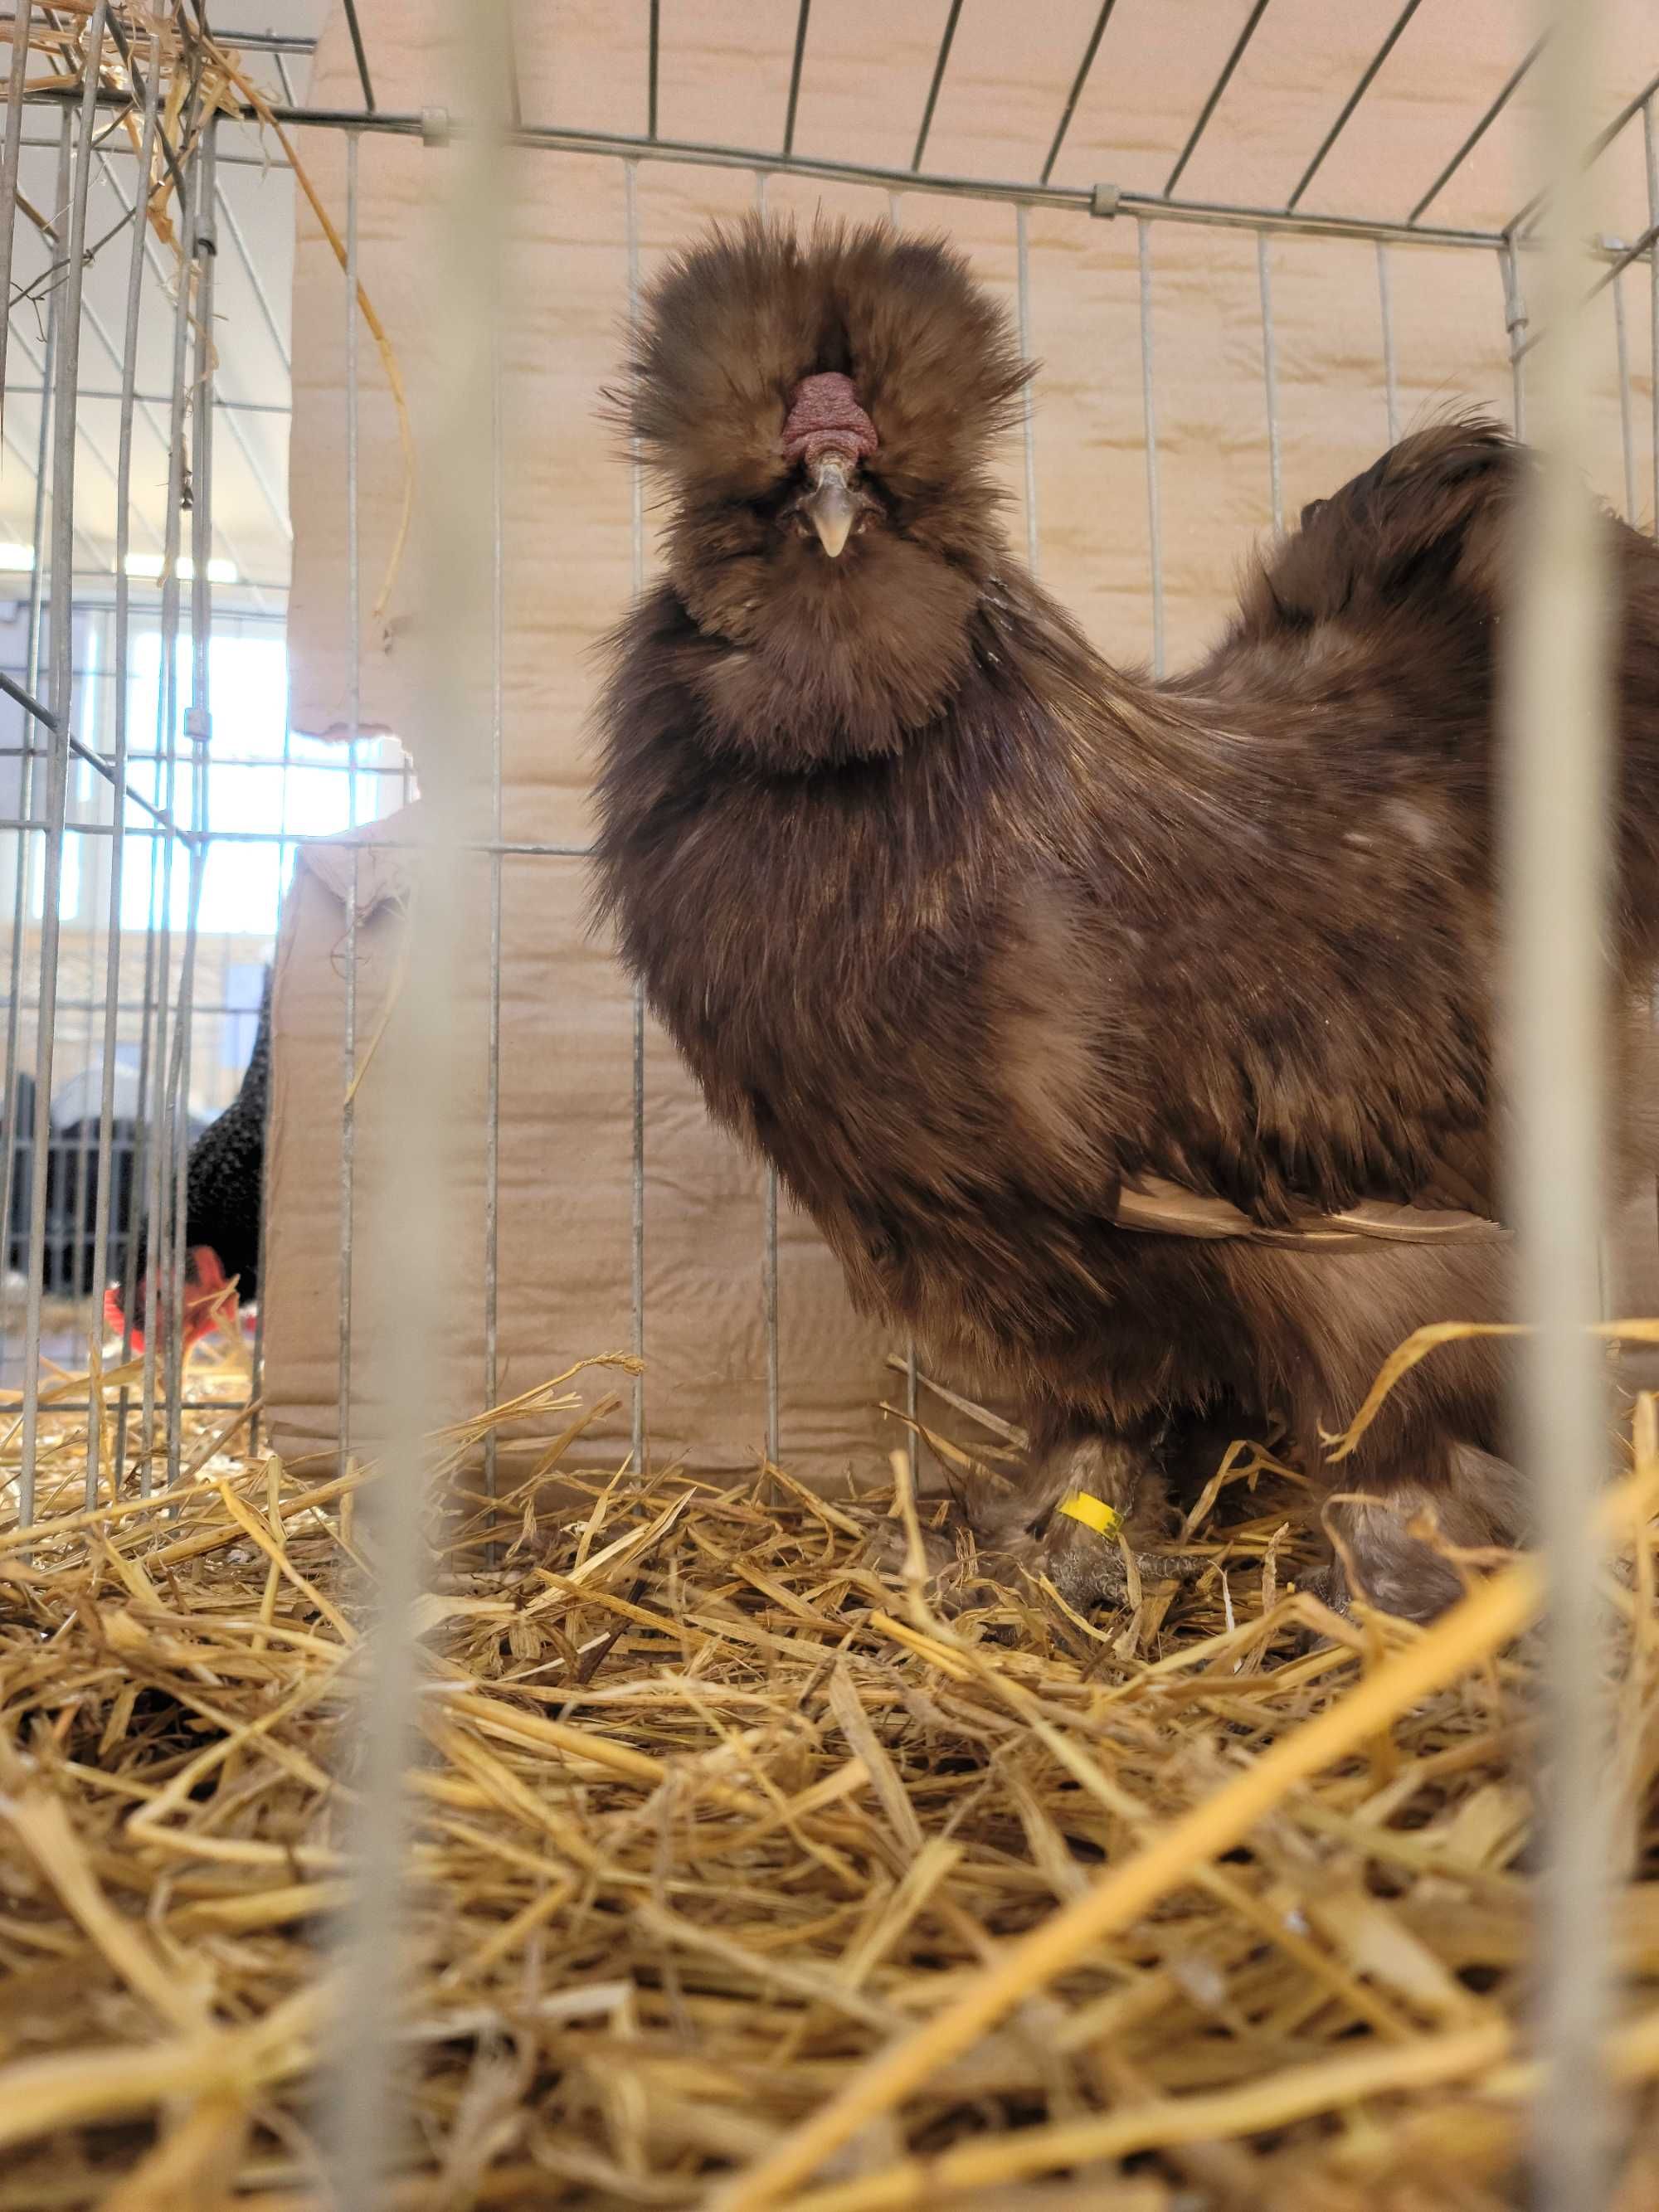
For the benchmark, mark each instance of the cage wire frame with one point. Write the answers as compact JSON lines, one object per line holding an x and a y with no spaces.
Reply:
{"x":1561,"y":1101}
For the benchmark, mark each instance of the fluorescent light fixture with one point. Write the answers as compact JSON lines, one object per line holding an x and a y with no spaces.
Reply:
{"x":16,"y":560}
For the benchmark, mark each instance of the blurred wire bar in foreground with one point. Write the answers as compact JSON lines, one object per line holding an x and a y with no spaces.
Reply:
{"x":1556,"y":724}
{"x":411,"y":1228}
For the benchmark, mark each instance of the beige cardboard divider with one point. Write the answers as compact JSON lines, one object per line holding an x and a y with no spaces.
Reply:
{"x":565,"y":1165}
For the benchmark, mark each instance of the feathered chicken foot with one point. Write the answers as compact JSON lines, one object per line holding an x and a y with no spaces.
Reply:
{"x":990,"y":1543}
{"x":962,"y":1575}
{"x":1089,"y":1569}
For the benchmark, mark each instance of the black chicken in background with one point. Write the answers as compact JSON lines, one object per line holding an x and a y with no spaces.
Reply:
{"x":22,"y":1167}
{"x":73,"y":1169}
{"x":224,"y":1181}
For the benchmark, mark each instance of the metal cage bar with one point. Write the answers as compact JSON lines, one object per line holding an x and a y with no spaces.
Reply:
{"x":1626,"y":424}
{"x":8,"y":166}
{"x":1512,"y":86}
{"x":795,"y":67}
{"x":1520,"y":224}
{"x":136,"y":265}
{"x":636,"y":1178}
{"x":1027,"y":419}
{"x":163,"y":1336}
{"x":1390,"y":370}
{"x":769,"y":1177}
{"x":198,"y":728}
{"x":497,"y":740}
{"x":1270,"y":379}
{"x":1149,"y":419}
{"x":1650,"y":163}
{"x":1516,"y":321}
{"x":1215,"y":98}
{"x":354,"y":726}
{"x":653,"y":62}
{"x":409,"y":1225}
{"x":1556,"y":672}
{"x":33,"y":753}
{"x":1076,"y":92}
{"x":359,"y":54}
{"x":1349,"y":107}
{"x":1039,"y":191}
{"x":78,"y":156}
{"x":947,"y":38}
{"x":42,"y":827}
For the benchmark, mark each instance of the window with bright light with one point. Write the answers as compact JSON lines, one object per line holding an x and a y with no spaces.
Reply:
{"x":261,"y":779}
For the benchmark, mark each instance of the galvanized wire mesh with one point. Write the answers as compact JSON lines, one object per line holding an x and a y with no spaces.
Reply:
{"x":134,"y":995}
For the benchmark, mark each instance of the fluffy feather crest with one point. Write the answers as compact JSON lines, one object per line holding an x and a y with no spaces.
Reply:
{"x":888,"y":344}
{"x":738,"y":321}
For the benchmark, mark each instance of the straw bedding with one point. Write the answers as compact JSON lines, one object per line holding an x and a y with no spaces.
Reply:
{"x":715,"y":1815}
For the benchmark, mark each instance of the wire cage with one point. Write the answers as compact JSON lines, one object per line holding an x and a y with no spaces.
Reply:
{"x":154,"y":795}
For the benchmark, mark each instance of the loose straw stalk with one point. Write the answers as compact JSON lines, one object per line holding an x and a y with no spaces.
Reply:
{"x":712,"y":1811}
{"x":1488,"y":1618}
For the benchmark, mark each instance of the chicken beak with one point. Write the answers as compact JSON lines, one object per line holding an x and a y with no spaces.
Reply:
{"x":829,"y":505}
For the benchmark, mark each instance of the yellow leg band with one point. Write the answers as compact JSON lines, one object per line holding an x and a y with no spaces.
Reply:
{"x":1093,"y":1512}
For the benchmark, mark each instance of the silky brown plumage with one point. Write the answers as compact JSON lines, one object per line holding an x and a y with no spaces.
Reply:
{"x":978,"y":937}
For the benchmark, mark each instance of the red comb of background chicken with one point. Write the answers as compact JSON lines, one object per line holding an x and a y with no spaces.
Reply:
{"x":208,"y":1296}
{"x":824,"y":417}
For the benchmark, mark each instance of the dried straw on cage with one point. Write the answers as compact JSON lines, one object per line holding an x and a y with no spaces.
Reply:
{"x":200,"y":77}
{"x":730,"y":1853}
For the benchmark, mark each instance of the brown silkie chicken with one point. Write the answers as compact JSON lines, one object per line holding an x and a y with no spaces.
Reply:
{"x":1130,"y":1042}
